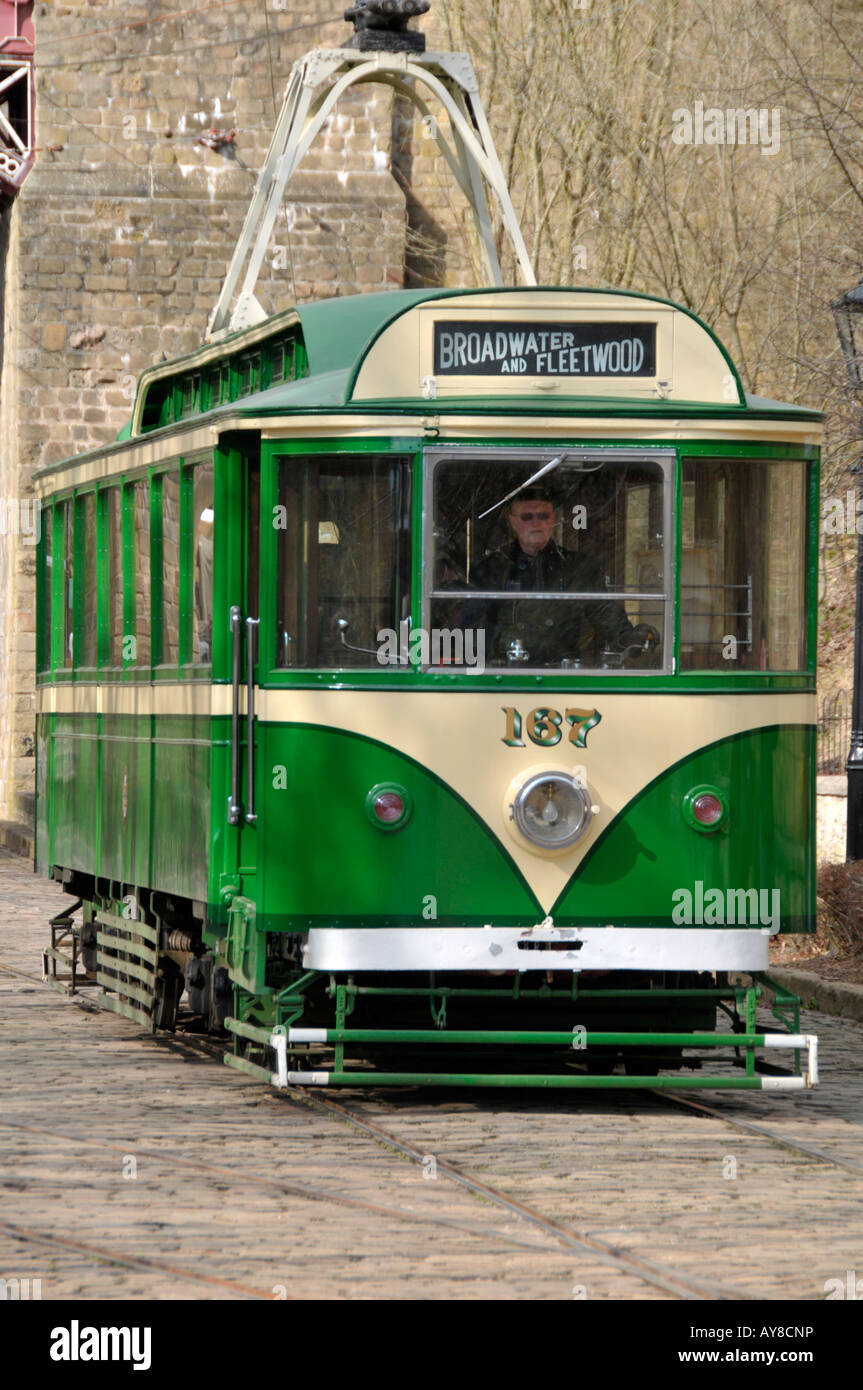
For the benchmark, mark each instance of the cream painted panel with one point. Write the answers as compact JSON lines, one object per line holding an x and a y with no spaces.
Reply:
{"x":438,"y":429}
{"x":458,"y":736}
{"x":139,"y":454}
{"x":182,"y":698}
{"x":67,"y":699}
{"x":163,"y":697}
{"x":687,"y":356}
{"x":432,"y":428}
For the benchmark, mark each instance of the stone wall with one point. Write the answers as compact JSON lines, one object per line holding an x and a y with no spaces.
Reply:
{"x":115,"y":250}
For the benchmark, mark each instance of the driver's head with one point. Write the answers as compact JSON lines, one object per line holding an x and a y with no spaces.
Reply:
{"x":532,"y":516}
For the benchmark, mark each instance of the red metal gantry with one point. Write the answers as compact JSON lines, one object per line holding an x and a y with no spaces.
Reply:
{"x":16,"y":95}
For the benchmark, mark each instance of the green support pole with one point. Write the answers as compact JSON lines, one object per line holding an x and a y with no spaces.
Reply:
{"x":575,"y":1082}
{"x":341,"y":1015}
{"x":335,"y":1037}
{"x":751,"y":1004}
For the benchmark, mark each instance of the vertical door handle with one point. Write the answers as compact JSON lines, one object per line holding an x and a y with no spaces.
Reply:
{"x":251,"y":644}
{"x":234,"y":798}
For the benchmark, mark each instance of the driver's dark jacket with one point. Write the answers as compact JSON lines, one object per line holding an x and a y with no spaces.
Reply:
{"x":551,"y":629}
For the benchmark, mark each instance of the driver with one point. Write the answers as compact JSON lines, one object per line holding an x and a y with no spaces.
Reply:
{"x":543,"y":632}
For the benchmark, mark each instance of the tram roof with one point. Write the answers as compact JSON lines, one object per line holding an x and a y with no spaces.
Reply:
{"x":402,"y":348}
{"x":387,"y":352}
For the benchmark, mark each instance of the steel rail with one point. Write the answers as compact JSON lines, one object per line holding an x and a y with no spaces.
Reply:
{"x":750,"y":1127}
{"x":10,"y":970}
{"x":127,"y":1261}
{"x":214,"y":1051}
{"x":682,"y":1286}
{"x":291,"y":1189}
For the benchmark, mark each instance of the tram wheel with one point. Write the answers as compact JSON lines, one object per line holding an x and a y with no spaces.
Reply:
{"x":169,"y":988}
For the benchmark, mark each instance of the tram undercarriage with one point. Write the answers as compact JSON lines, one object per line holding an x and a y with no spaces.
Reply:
{"x":542,"y":1027}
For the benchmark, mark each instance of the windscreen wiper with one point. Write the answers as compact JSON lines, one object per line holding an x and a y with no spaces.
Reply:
{"x":546,"y":468}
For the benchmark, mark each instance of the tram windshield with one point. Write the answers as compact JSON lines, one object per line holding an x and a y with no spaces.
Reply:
{"x":552,"y":559}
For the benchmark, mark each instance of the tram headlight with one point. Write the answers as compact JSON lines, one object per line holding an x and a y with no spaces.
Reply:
{"x":551,"y":810}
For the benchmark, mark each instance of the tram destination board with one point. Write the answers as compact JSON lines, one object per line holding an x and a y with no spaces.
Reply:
{"x":545,"y":349}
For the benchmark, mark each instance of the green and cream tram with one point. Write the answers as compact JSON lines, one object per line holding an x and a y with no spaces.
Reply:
{"x":426,"y":687}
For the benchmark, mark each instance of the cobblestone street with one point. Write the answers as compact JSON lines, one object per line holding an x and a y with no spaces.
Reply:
{"x":186,"y":1180}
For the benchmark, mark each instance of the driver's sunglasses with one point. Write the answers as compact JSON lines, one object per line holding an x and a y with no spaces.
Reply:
{"x":534,"y":516}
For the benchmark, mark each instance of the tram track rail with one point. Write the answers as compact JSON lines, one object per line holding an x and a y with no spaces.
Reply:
{"x":681,"y":1286}
{"x":126,"y":1260}
{"x":280,"y":1185}
{"x":750,"y":1127}
{"x":686,"y":1287}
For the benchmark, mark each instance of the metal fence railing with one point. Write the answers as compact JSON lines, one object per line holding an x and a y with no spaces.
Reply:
{"x":834,"y":732}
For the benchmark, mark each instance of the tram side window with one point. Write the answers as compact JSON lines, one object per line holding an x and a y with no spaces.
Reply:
{"x":343,"y":538}
{"x":114,"y":504}
{"x":549,"y":561}
{"x":143,"y":642}
{"x":743,"y":565}
{"x":89,"y":654}
{"x":170,"y":569}
{"x":45,"y":576}
{"x":202,"y":563}
{"x":68,"y":582}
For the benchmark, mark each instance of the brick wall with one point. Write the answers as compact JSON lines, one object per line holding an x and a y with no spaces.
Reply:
{"x":115,"y":250}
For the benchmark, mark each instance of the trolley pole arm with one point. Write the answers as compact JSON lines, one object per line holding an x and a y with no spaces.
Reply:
{"x":317,"y":83}
{"x":220,"y":317}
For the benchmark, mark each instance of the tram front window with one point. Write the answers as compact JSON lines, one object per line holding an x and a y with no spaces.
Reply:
{"x":743,"y":570}
{"x":561,"y":566}
{"x":343,"y":542}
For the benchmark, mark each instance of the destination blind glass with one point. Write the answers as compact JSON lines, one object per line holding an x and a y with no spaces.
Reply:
{"x":545,"y":349}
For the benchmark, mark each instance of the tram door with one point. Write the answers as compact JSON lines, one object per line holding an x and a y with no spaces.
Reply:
{"x":244,"y":660}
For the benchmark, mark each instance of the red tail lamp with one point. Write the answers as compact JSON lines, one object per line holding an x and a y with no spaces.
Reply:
{"x":705,"y":808}
{"x":388,"y":806}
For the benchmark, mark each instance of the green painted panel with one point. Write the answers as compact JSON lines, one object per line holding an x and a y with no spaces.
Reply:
{"x":97,"y":810}
{"x":181,"y":806}
{"x":43,"y":800}
{"x":324,"y":862}
{"x":115,"y":794}
{"x":767,"y":842}
{"x":74,"y":801}
{"x":140,"y":767}
{"x":84,"y":803}
{"x":62,"y":794}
